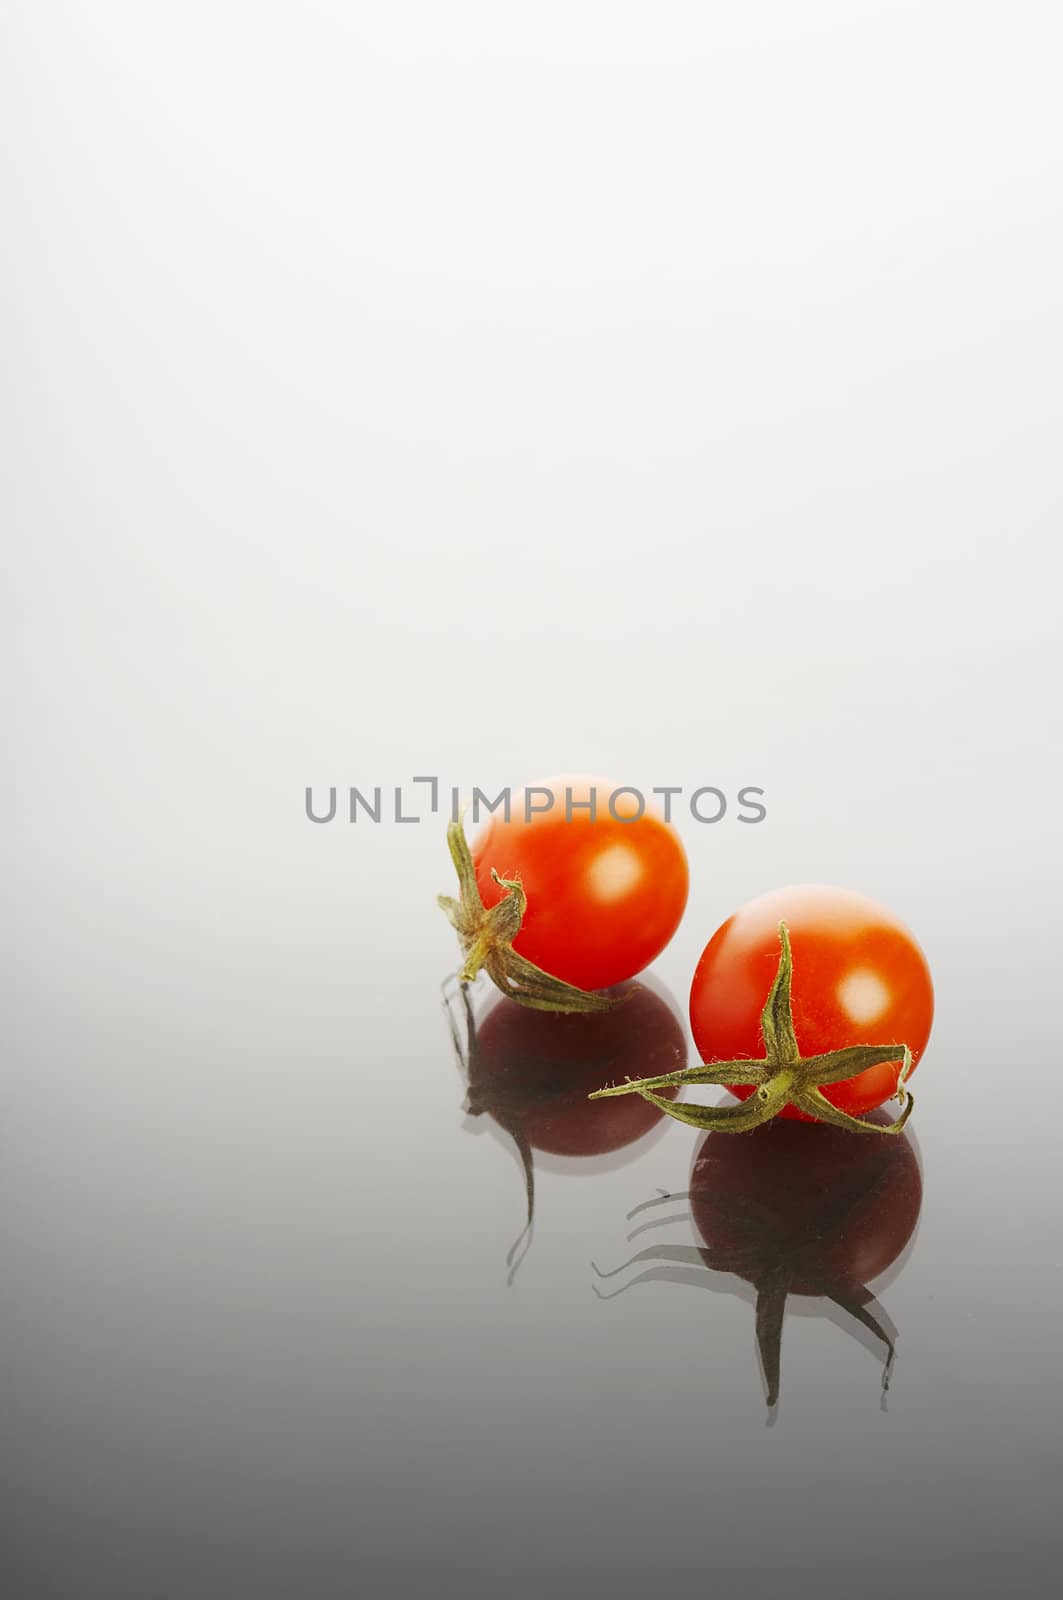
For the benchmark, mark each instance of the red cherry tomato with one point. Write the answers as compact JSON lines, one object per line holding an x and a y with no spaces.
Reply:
{"x":604,"y":896}
{"x":859,"y":977}
{"x":535,"y":1069}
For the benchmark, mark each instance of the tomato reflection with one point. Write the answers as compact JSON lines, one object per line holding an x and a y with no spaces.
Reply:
{"x":531,"y":1072}
{"x":798,"y":1208}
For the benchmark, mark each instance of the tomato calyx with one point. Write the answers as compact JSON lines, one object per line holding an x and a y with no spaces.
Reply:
{"x":487,"y":937}
{"x":783,"y":1077}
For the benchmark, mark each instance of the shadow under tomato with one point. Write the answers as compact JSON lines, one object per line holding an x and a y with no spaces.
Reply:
{"x":531,"y":1072}
{"x":794,"y":1208}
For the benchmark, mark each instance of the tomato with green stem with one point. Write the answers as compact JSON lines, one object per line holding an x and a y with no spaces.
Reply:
{"x":859,"y":978}
{"x":578,"y":889}
{"x":846,"y":1018}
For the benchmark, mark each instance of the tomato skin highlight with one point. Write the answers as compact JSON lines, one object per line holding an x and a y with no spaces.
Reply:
{"x":859,"y":977}
{"x":604,"y":896}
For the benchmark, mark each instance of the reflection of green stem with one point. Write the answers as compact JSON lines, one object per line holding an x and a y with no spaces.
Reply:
{"x":783,"y":1077}
{"x":478,"y":1100}
{"x":772,"y":1288}
{"x":771,"y":1305}
{"x":772,"y":1291}
{"x":773,"y":1253}
{"x":524,"y":1150}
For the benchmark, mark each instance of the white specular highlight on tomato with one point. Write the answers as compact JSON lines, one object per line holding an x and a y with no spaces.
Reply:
{"x":614,"y":873}
{"x":863,"y":996}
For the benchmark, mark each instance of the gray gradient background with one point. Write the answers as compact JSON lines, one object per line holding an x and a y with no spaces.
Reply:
{"x":665,"y":391}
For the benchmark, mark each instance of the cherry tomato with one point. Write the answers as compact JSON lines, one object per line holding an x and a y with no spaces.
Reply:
{"x":859,"y":977}
{"x":604,"y":895}
{"x":533,"y":1070}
